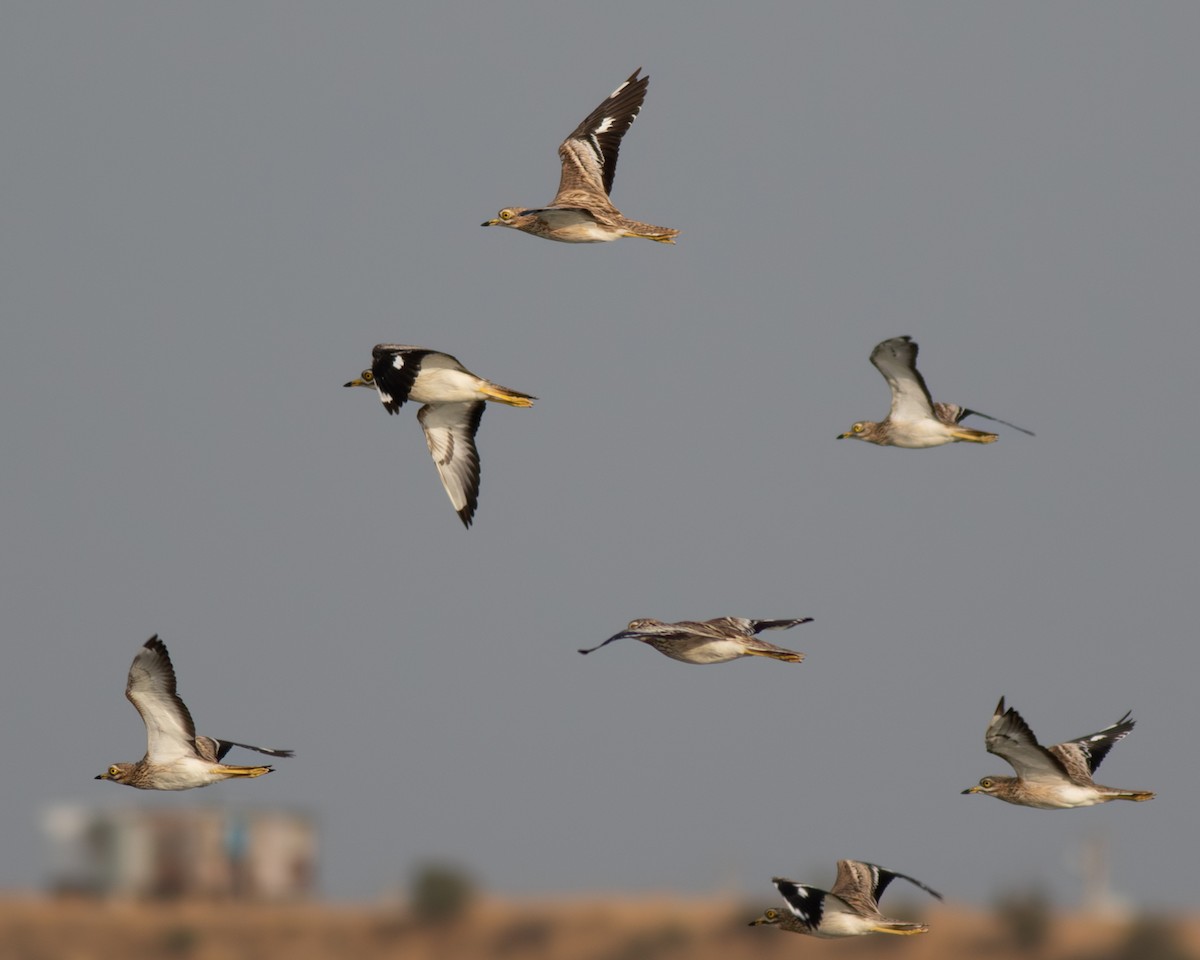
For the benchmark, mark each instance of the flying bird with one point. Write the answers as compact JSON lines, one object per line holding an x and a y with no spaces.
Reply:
{"x":1051,"y":778}
{"x":581,"y":211}
{"x":453,"y":399}
{"x":176,"y":759}
{"x":709,"y":641}
{"x":915,"y":421}
{"x":850,"y":909}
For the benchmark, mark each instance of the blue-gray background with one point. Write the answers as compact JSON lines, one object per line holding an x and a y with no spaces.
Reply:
{"x":212,"y":212}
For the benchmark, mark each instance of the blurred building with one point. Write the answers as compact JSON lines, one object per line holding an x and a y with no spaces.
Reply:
{"x":210,"y":852}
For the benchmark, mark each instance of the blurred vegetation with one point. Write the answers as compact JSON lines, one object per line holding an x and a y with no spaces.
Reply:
{"x":441,"y":893}
{"x":180,"y":941}
{"x":671,"y":938}
{"x":448,"y":919}
{"x":1026,"y":917}
{"x":1149,"y":938}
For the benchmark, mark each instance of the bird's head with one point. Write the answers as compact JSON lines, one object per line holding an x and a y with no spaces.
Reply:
{"x":366,"y":379}
{"x":509,"y":217}
{"x":863,"y":430}
{"x":117,"y":773}
{"x":770,"y":917}
{"x":988,"y":785}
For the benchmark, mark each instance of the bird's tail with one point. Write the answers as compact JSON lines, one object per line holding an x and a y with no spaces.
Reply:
{"x":972,"y":436}
{"x":514,"y":398}
{"x":648,"y":232}
{"x":228,"y":771}
{"x":900,"y":927}
{"x":787,"y":656}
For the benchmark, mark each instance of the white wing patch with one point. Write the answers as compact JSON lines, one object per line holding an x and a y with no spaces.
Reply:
{"x":398,"y":361}
{"x":605,"y":125}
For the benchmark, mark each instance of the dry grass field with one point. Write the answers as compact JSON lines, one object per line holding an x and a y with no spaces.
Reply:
{"x":647,"y":928}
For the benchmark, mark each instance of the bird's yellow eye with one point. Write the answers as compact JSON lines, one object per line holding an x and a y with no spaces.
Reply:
{"x":986,"y":783}
{"x":858,"y":428}
{"x":114,"y":771}
{"x":771,"y":914}
{"x":368,"y":376}
{"x":507,"y":214}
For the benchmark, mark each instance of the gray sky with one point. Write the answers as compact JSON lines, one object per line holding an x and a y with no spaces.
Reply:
{"x":213,"y":211}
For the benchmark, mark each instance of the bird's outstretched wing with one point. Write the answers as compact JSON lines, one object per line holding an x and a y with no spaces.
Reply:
{"x":954,"y":413}
{"x":1083,"y":755}
{"x":861,"y":884}
{"x":758,"y":626}
{"x":394,"y":367}
{"x":896,"y":359}
{"x":450,"y":433}
{"x":806,"y":904}
{"x":1009,"y":736}
{"x":589,"y":154}
{"x":214,"y":750}
{"x":677,"y":632}
{"x":151,"y":688}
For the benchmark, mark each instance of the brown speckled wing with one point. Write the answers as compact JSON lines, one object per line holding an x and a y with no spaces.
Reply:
{"x":589,"y":154}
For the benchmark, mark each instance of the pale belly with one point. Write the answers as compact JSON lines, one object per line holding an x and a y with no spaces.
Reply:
{"x":441,"y":385}
{"x":717,"y":651}
{"x":571,"y":226}
{"x":836,"y":923}
{"x":1070,"y":797}
{"x":185,"y":774}
{"x":919,"y":434}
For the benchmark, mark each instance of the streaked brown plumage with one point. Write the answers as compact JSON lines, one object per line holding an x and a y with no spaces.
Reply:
{"x":1058,"y":777}
{"x":709,"y":641}
{"x":581,"y":211}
